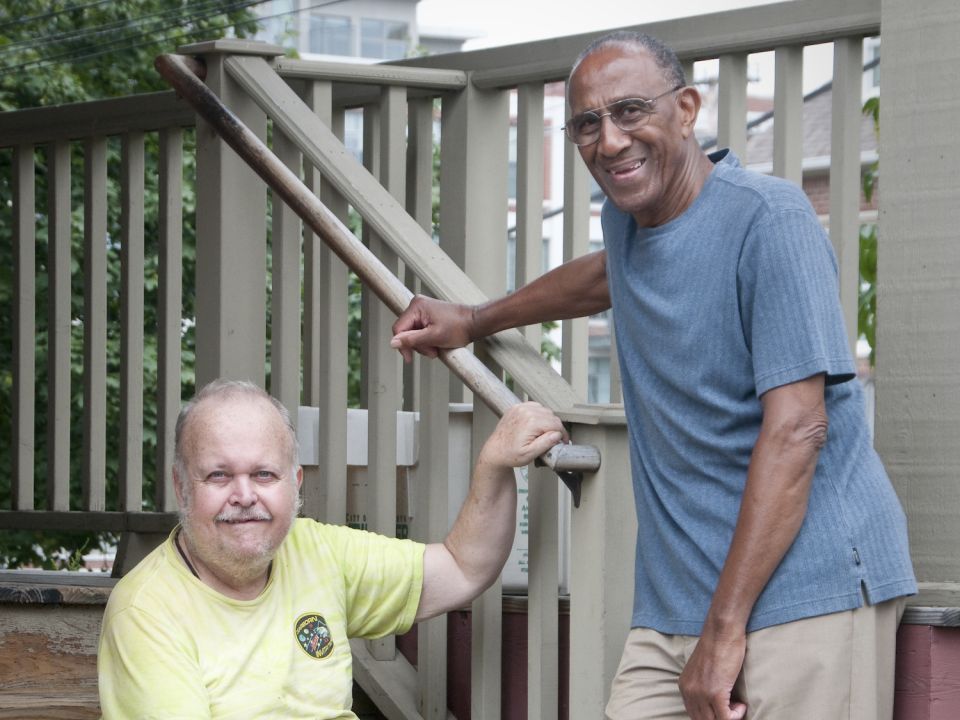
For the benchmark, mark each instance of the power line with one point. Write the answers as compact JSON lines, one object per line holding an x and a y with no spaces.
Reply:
{"x":52,"y":13}
{"x":198,"y":12}
{"x":75,"y":57}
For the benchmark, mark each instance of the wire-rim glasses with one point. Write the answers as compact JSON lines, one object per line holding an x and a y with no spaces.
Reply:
{"x":628,"y":114}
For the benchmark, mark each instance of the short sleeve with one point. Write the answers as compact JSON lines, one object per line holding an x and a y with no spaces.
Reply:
{"x":383,"y":579}
{"x":790,"y":304}
{"x":146,"y":671}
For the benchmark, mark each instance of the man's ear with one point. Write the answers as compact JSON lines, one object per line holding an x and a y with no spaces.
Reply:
{"x":689,"y":102}
{"x":299,"y":476}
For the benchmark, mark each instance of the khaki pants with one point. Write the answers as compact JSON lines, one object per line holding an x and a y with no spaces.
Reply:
{"x":832,"y":667}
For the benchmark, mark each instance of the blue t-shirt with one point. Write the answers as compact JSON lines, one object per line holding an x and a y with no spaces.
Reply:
{"x":736,"y":296}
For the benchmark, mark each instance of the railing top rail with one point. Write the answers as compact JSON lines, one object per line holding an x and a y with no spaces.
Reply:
{"x":74,"y":121}
{"x":362,"y":74}
{"x":753,"y":29}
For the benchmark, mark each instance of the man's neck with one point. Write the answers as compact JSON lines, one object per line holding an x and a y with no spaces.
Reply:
{"x":239,"y":581}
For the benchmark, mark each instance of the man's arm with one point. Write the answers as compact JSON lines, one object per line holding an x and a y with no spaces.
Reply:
{"x":473,"y":553}
{"x":774,"y":505}
{"x":574,"y":289}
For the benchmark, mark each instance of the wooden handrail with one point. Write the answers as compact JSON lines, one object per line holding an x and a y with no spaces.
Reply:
{"x":181,"y":73}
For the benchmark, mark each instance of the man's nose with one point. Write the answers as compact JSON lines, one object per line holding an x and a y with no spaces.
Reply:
{"x":244,"y":491}
{"x":612,"y":138}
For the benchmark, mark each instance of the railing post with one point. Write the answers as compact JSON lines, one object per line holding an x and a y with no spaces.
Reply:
{"x":473,"y":229}
{"x":231,"y":232}
{"x":918,"y":387}
{"x":603,"y":533}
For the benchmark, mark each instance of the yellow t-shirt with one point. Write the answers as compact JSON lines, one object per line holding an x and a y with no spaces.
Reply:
{"x":171,"y":647}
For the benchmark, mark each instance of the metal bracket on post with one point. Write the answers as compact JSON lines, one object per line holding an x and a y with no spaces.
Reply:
{"x":569,"y":462}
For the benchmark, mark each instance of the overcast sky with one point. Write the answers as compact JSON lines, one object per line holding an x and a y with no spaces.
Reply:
{"x":502,"y":22}
{"x":510,"y":21}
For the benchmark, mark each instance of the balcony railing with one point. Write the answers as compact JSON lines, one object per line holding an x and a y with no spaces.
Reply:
{"x":299,"y":337}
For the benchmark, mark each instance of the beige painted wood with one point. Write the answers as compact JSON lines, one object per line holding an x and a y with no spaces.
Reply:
{"x":231,"y":248}
{"x":603,"y":533}
{"x":431,"y":524}
{"x":732,"y":104}
{"x":317,"y":97}
{"x":486,"y":629}
{"x":788,"y":114}
{"x":918,"y":387}
{"x":845,"y":174}
{"x":415,"y":247}
{"x":334,"y":278}
{"x":285,"y":298}
{"x":58,"y":326}
{"x":24,"y":325}
{"x":148,"y":111}
{"x":419,"y":204}
{"x":109,"y":521}
{"x":170,"y":293}
{"x":529,"y":224}
{"x":131,"y":321}
{"x":543,"y":631}
{"x":576,"y":242}
{"x":380,"y":75}
{"x":384,"y":375}
{"x":95,"y":324}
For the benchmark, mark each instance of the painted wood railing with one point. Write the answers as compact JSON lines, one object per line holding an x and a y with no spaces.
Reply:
{"x":297,"y":337}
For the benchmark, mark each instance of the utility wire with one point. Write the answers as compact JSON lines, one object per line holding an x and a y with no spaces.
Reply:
{"x":198,"y":10}
{"x":52,"y":13}
{"x":74,"y":56}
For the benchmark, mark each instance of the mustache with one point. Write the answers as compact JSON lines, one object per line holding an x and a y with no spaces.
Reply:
{"x":243,"y":514}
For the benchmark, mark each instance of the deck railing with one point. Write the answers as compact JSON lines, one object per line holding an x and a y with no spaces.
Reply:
{"x":300,"y":338}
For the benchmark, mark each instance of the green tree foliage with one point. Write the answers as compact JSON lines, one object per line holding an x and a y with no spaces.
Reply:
{"x":59,"y":52}
{"x":867,"y":303}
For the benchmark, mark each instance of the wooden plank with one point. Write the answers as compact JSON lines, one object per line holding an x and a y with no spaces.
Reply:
{"x":543,"y":632}
{"x":170,"y":294}
{"x":333,"y":323}
{"x":98,"y":118}
{"x":231,"y":246}
{"x":379,"y":75}
{"x":845,"y":174}
{"x":24,"y":326}
{"x":732,"y":105}
{"x":576,"y":242}
{"x":530,"y":157}
{"x":788,"y":114}
{"x":95,"y":325}
{"x":285,"y":324}
{"x":58,"y":326}
{"x":601,"y":567}
{"x":110,"y":521}
{"x":131,"y":321}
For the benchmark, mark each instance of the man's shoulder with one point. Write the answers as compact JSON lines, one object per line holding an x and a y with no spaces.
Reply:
{"x":145,"y":582}
{"x":769,"y":192}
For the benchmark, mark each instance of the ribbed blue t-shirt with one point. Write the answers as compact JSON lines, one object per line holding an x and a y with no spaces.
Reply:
{"x":734,"y":297}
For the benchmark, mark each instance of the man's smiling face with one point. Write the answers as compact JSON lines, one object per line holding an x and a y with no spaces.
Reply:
{"x":645,"y":172}
{"x":239,"y":496}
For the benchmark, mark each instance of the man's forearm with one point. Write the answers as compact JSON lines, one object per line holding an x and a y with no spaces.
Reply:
{"x":575,"y":289}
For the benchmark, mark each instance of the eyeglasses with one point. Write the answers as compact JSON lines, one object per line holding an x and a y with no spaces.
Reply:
{"x":628,"y":114}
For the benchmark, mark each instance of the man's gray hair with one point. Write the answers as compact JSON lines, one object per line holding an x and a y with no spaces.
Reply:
{"x":220,"y":390}
{"x":665,"y":58}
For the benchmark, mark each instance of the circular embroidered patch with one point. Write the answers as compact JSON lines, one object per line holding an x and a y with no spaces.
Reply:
{"x":313,"y":635}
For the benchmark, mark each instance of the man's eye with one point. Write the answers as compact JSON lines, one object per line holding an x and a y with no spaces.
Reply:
{"x":632,"y":109}
{"x":218,"y":476}
{"x":585,"y":122}
{"x":265,"y":475}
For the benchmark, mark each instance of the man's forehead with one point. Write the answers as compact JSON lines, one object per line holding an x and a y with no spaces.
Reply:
{"x":614,"y":72}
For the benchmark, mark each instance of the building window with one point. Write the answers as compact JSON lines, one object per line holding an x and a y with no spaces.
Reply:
{"x":279,"y":22}
{"x":383,"y":39}
{"x":330,"y":34}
